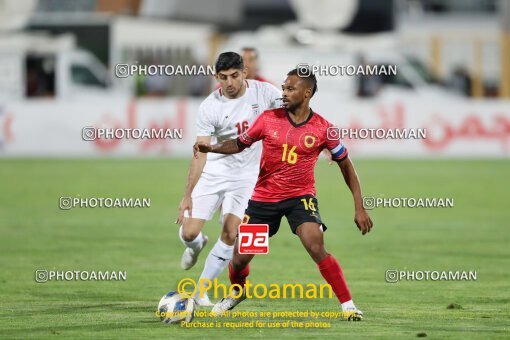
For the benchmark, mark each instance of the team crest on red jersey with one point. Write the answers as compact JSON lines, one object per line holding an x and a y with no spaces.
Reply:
{"x":308,"y":140}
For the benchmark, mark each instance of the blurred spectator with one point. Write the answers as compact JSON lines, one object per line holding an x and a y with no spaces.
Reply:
{"x":251,"y":62}
{"x":368,"y":85}
{"x":198,"y":84}
{"x":155,"y":85}
{"x":461,"y":81}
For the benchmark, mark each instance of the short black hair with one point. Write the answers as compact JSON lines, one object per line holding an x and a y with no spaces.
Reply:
{"x":228,"y":60}
{"x":307,"y":75}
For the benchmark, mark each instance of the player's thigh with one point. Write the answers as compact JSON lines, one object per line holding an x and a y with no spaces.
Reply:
{"x":263,"y":213}
{"x":206,"y":197}
{"x":303,"y":209}
{"x":236,"y":197}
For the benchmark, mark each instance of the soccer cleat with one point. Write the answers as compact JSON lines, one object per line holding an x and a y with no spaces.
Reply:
{"x":353,"y":314}
{"x":203,"y":301}
{"x":190,"y":256}
{"x":226,"y":304}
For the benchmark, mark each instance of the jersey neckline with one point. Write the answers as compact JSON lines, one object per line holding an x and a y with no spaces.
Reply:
{"x":302,"y":123}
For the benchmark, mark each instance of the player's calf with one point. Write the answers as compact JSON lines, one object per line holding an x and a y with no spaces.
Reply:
{"x":218,"y":258}
{"x":237,"y":277}
{"x":313,"y":240}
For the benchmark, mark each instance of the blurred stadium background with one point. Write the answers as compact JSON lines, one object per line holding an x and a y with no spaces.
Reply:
{"x":58,"y":63}
{"x":57,"y":76}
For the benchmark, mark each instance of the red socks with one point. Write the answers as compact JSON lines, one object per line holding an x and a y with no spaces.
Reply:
{"x":329,"y":268}
{"x":331,"y":271}
{"x":238,"y":277}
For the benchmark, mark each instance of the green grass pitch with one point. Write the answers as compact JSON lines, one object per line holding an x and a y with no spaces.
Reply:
{"x":36,"y":234}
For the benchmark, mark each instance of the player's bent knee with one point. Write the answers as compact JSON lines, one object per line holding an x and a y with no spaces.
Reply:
{"x":189,"y":235}
{"x":228,"y":237}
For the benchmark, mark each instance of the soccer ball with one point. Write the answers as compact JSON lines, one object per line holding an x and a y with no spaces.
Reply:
{"x":173,"y":308}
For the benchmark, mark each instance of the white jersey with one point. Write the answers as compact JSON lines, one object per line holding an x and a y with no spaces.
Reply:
{"x":225,"y":119}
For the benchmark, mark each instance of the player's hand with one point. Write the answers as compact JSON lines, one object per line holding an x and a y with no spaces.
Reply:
{"x":186,"y":204}
{"x":201,"y":147}
{"x":363,"y":221}
{"x":328,"y":155}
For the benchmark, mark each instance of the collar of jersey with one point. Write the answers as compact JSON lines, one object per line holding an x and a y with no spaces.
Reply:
{"x":302,"y":123}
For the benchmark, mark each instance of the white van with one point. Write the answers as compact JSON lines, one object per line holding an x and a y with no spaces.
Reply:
{"x":38,"y":66}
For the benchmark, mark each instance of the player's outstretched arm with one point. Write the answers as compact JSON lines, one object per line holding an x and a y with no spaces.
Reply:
{"x":228,"y":147}
{"x":361,"y":217}
{"x":195,"y":171}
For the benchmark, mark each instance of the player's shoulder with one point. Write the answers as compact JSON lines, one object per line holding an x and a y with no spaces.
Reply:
{"x":254,"y":84}
{"x":320,"y":120}
{"x":275,"y":113}
{"x":214,"y":97}
{"x":260,"y":85}
{"x":212,"y":101}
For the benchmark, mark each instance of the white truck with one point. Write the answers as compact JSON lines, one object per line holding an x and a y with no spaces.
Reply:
{"x":40,"y":66}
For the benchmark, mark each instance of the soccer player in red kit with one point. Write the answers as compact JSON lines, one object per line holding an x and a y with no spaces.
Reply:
{"x":292,"y":140}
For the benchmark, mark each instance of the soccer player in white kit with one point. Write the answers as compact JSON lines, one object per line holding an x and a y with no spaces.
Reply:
{"x":216,"y":180}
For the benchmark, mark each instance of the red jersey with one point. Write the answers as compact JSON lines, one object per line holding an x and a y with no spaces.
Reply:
{"x":289,"y":153}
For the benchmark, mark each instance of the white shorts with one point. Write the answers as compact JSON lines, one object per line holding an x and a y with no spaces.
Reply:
{"x":212,"y":191}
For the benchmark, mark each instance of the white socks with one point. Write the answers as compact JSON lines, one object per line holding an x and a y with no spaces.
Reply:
{"x":348,"y":305}
{"x":218,"y":258}
{"x":196,"y":244}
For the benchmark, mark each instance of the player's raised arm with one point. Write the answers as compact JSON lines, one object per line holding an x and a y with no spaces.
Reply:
{"x":245,"y":140}
{"x":227,"y":148}
{"x":361,"y":217}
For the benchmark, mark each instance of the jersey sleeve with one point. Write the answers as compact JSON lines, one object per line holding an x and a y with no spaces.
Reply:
{"x":254,"y":133}
{"x":335,"y":145}
{"x":272,"y":96}
{"x":204,"y":121}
